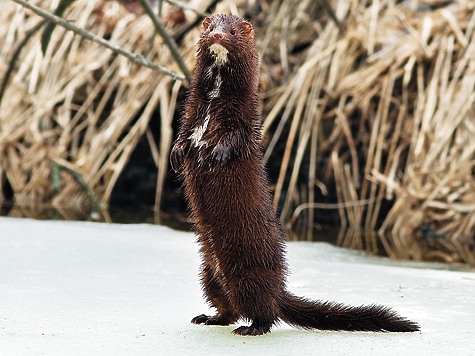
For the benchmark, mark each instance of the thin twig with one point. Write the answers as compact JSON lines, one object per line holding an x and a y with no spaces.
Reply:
{"x":326,"y":4}
{"x":186,"y":7}
{"x":180,"y":34}
{"x":136,"y":58}
{"x":169,"y":41}
{"x":62,"y":165}
{"x":16,"y":54}
{"x":350,"y":204}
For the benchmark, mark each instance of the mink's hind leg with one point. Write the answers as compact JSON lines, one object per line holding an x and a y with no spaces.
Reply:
{"x":213,"y":286}
{"x":256,"y":297}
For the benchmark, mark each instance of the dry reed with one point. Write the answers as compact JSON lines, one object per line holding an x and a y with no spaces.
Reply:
{"x":381,"y":106}
{"x":397,"y":83}
{"x":80,"y":110}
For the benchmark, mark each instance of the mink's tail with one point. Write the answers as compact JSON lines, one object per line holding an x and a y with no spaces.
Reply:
{"x":308,"y":314}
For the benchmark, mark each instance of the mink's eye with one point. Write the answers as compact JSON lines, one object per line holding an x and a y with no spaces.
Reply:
{"x":232,"y":32}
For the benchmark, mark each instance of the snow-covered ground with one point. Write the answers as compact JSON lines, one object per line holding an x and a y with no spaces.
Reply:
{"x":73,"y":288}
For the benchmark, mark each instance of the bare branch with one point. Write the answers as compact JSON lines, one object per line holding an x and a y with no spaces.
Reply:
{"x":169,"y":41}
{"x":136,"y":58}
{"x":186,"y":7}
{"x":16,"y":54}
{"x":178,"y":37}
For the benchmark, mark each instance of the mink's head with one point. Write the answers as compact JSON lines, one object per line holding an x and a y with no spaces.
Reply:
{"x":225,"y":39}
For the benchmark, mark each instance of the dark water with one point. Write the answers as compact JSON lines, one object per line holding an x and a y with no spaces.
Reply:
{"x":124,"y":214}
{"x":458,"y":255}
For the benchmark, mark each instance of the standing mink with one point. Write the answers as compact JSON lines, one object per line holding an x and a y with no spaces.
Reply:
{"x":218,"y":155}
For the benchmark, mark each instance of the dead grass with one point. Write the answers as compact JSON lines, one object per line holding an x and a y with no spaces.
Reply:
{"x":81,"y":108}
{"x":383,"y":106}
{"x":399,"y":85}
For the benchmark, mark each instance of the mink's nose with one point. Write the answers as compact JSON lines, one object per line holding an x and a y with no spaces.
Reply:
{"x":218,"y":36}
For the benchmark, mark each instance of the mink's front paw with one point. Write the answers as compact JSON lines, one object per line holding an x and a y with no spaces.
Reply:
{"x":200,"y":319}
{"x":177,"y":157}
{"x":212,"y":320}
{"x":219,"y":156}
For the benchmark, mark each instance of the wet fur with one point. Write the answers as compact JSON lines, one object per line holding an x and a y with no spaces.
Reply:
{"x":218,"y":155}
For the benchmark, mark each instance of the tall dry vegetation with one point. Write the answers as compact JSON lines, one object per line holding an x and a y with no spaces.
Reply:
{"x":381,"y":107}
{"x":69,"y":119}
{"x":384,"y":107}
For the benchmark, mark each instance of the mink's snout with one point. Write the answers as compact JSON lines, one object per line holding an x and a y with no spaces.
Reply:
{"x":218,"y":36}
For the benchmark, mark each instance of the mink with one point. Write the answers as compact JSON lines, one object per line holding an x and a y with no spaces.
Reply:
{"x":218,"y":155}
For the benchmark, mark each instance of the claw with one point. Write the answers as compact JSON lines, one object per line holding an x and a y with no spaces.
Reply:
{"x":219,"y":156}
{"x":211,"y":320}
{"x":249,"y":331}
{"x":177,"y":157}
{"x":200,"y":319}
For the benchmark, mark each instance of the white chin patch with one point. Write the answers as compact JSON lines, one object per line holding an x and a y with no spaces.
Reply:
{"x":221,"y":53}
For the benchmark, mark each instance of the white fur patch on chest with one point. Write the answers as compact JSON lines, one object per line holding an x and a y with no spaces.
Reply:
{"x":198,"y":133}
{"x":197,"y":136}
{"x":214,"y":93}
{"x":221,"y":53}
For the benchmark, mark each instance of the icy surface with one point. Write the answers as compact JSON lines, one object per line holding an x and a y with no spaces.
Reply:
{"x":71,"y":288}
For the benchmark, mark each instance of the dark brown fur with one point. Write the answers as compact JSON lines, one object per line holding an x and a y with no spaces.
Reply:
{"x":242,"y":244}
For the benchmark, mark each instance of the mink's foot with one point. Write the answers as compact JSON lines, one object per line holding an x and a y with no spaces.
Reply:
{"x":219,"y":156}
{"x":254,"y":329}
{"x":251,"y":330}
{"x":211,"y":320}
{"x":200,"y":319}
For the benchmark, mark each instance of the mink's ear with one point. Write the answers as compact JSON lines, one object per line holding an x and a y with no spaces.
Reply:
{"x":206,"y":23}
{"x":246,"y":28}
